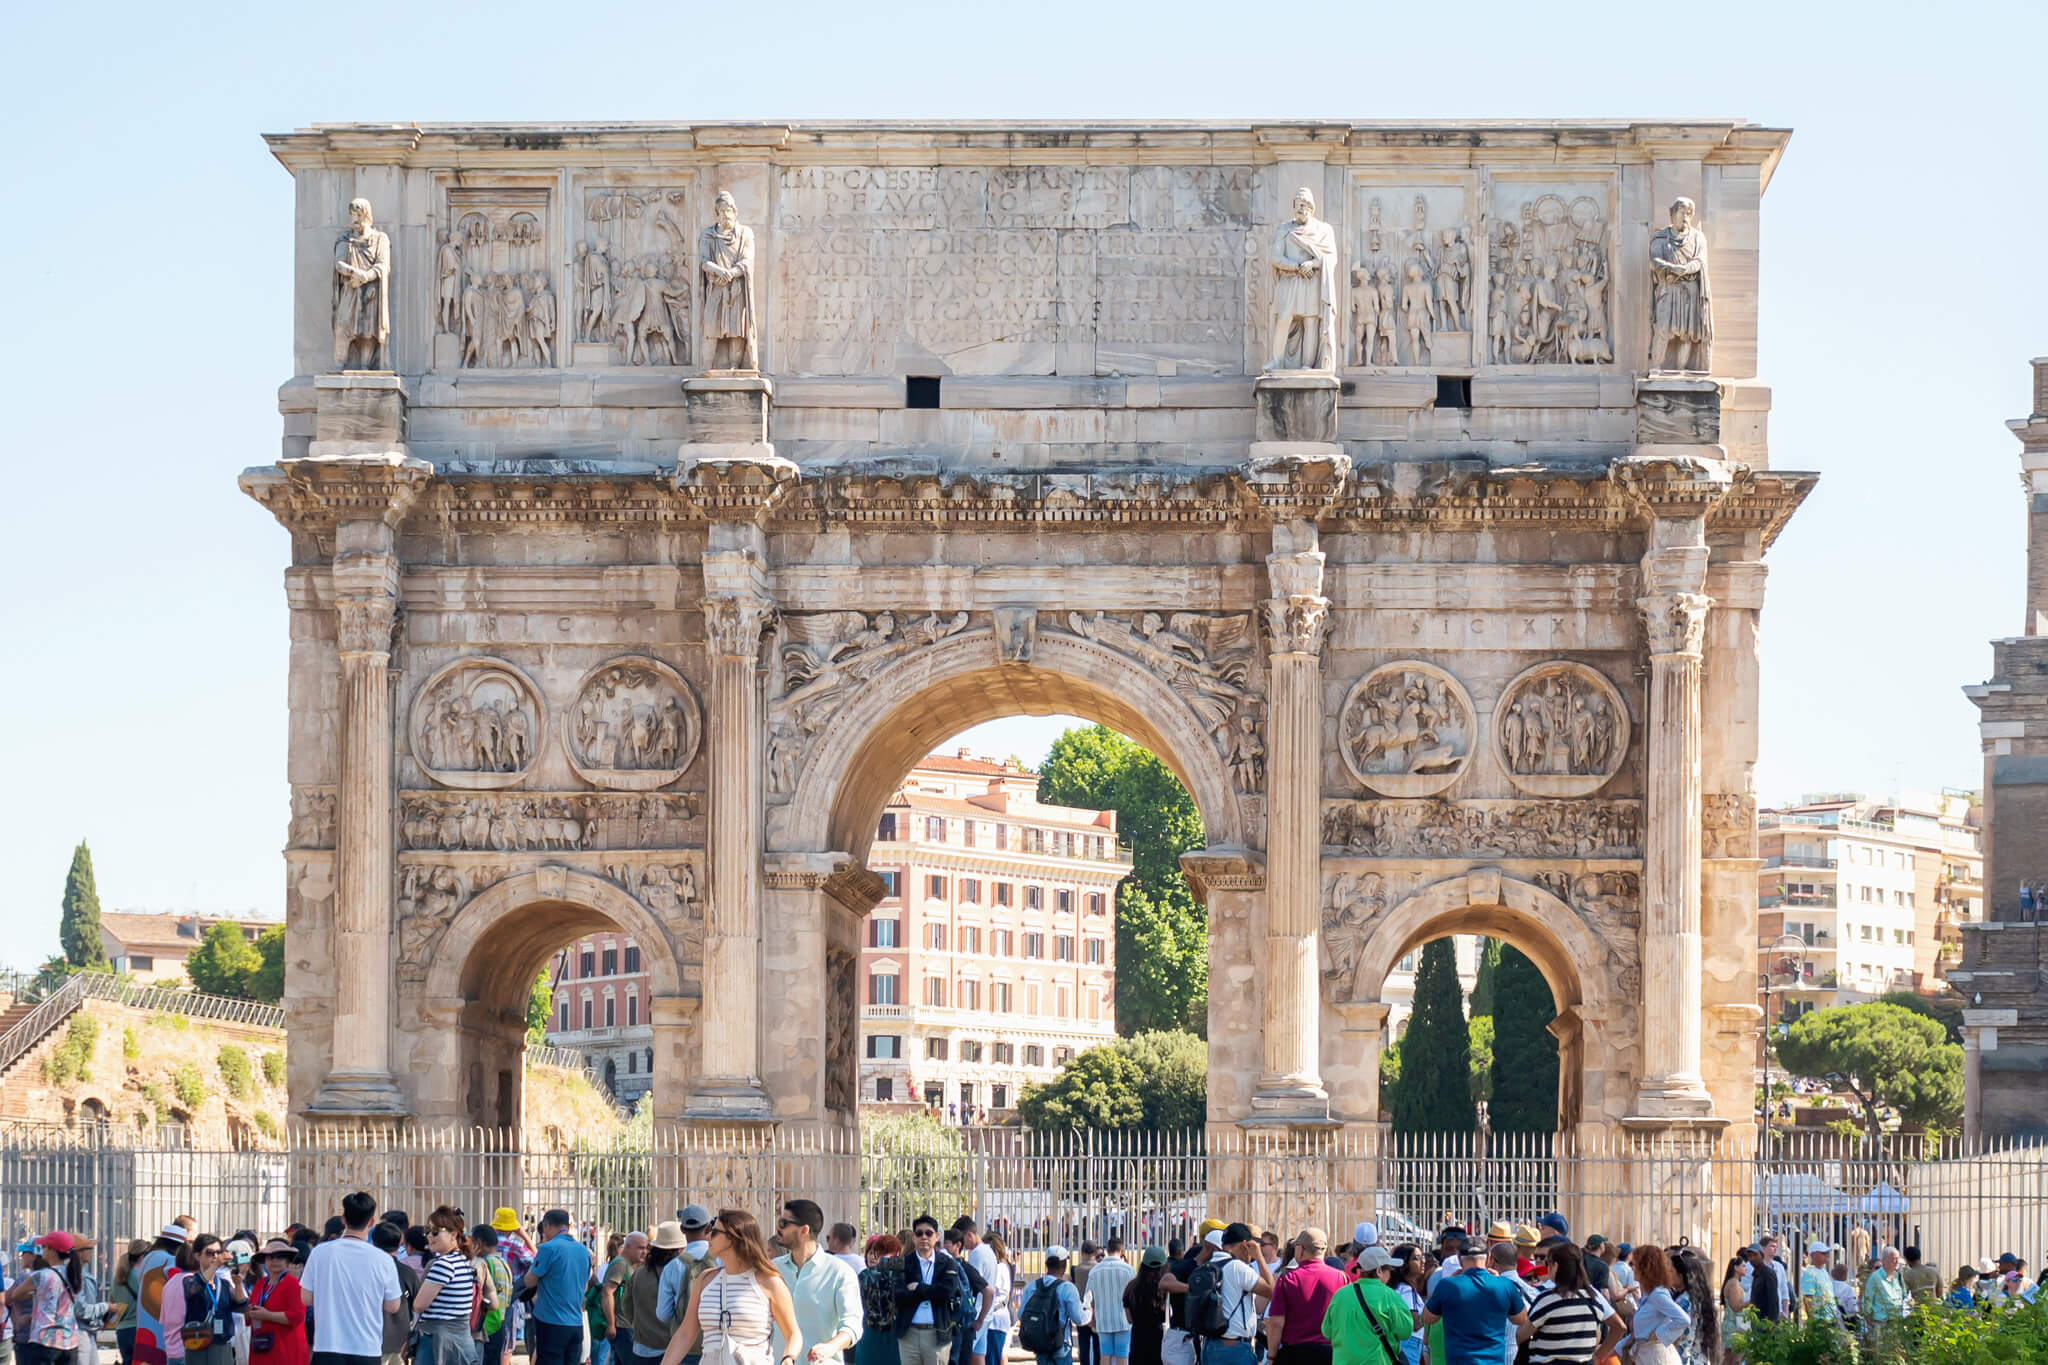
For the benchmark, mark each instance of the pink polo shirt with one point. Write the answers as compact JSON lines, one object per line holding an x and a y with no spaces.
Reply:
{"x":1301,"y":1296}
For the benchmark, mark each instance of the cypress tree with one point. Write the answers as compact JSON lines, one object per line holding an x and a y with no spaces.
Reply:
{"x":1435,"y":1094}
{"x":1524,"y":1050}
{"x":1487,"y":981}
{"x":79,"y":926}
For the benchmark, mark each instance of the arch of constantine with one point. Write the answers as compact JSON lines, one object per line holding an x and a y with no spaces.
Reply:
{"x":660,"y":493}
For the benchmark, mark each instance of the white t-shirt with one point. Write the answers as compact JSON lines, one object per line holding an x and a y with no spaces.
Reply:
{"x":349,"y":1280}
{"x":983,"y":1259}
{"x":1240,"y":1298}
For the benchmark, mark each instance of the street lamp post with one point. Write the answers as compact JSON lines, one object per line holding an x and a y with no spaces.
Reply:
{"x":1784,"y":961}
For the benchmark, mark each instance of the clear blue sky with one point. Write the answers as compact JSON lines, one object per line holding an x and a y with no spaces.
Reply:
{"x":147,"y":231}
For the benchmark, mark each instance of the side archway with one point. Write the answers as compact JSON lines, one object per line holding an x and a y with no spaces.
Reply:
{"x":1597,"y":1017}
{"x":470,"y":1057}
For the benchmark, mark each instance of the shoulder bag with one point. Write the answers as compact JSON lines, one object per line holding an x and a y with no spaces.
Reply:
{"x":1386,"y":1342}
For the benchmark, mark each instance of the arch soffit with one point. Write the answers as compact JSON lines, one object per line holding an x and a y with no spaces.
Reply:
{"x":864,"y":750}
{"x":480,"y":919}
{"x":1572,"y":958}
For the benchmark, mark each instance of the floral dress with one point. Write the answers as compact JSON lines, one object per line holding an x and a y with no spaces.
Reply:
{"x":53,"y":1321}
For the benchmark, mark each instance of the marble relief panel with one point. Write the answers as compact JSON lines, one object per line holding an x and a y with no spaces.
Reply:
{"x":632,"y":275}
{"x":494,"y":280}
{"x":1414,"y":287}
{"x":1549,"y":272}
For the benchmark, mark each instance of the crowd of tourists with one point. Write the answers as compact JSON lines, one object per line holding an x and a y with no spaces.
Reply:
{"x":716,"y":1289}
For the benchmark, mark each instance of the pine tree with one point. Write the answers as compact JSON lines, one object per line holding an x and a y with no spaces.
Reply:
{"x":1487,"y":982}
{"x":1435,"y":1093}
{"x":1524,"y":1050}
{"x":79,"y":926}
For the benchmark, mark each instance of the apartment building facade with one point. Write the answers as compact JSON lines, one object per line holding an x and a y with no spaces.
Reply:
{"x":601,"y":995}
{"x":991,"y":961}
{"x":1873,"y":889}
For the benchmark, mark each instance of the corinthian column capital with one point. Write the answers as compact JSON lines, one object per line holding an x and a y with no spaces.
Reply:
{"x":365,"y":601}
{"x":1297,"y":613}
{"x":1674,"y":622}
{"x":735,"y":625}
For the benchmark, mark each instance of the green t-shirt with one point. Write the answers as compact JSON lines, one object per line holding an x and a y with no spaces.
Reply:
{"x":1352,"y":1338}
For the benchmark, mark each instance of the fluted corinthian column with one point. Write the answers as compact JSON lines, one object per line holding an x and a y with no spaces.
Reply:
{"x":729,"y":1071}
{"x":1290,"y":1087}
{"x":1674,"y":614}
{"x":359,"y":1080}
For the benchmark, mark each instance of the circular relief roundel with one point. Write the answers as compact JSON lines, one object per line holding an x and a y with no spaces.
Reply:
{"x":477,"y":724}
{"x":1560,"y":729}
{"x":635,"y":725}
{"x":1407,"y":729}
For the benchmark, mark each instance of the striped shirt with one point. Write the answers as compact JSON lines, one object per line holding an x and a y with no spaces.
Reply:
{"x":1567,"y":1327}
{"x":457,"y":1280}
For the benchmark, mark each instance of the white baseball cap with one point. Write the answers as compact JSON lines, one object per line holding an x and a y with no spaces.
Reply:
{"x":1365,"y":1235}
{"x":1056,"y":1252}
{"x":1215,"y":1237}
{"x":1816,"y":1248}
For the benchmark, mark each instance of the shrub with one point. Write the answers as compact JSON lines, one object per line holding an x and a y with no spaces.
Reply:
{"x":188,"y":1085}
{"x":71,"y":1059}
{"x":131,"y":1046}
{"x":265,"y":1124}
{"x":235,"y":1070}
{"x":273,"y":1068}
{"x":159,"y":1103}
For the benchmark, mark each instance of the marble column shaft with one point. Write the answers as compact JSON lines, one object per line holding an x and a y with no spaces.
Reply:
{"x":1674,"y":616}
{"x":1295,"y":616}
{"x":366,"y":610}
{"x":730,"y":1029}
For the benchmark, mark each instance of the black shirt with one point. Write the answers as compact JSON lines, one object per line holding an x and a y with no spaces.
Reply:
{"x":1599,"y":1274}
{"x":1177,"y":1304}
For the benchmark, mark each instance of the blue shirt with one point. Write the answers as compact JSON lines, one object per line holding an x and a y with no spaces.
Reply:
{"x":1475,"y":1306}
{"x":1065,"y":1295}
{"x":563,"y":1268}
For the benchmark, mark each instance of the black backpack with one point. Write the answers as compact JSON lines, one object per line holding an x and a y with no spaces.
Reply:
{"x":1039,"y":1325}
{"x":1205,"y":1315}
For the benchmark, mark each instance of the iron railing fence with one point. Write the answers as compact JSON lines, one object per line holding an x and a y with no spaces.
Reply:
{"x":80,"y":987}
{"x":1955,"y":1203}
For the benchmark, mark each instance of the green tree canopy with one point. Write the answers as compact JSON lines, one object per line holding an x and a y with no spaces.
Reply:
{"x":1524,"y":1050}
{"x":1887,"y":1056}
{"x":1162,"y":936}
{"x":540,"y":1007}
{"x":1484,"y":984}
{"x":1479,"y":1056}
{"x":224,"y":962}
{"x":1945,"y":1009}
{"x":266,"y":983}
{"x":1173,"y":1084}
{"x":79,"y":924}
{"x":1098,"y":1089}
{"x":1435,"y":1091}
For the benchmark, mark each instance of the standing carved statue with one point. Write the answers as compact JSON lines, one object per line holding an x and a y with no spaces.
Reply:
{"x":596,"y":274}
{"x":540,"y":320}
{"x":727,"y":250}
{"x":1416,"y":309}
{"x":1681,"y":302}
{"x":1453,"y":271}
{"x":1304,"y":262}
{"x":448,"y":300}
{"x":362,"y":293}
{"x":473,"y":318}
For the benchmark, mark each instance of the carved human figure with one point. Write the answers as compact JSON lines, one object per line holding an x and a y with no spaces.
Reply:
{"x":1304,"y":312}
{"x":1497,"y":321}
{"x":1416,"y":308}
{"x":1384,"y":274}
{"x":362,"y":293}
{"x":1545,"y":308}
{"x":658,"y":890}
{"x":1365,"y":324}
{"x":726,"y":249}
{"x":474,"y":313}
{"x":540,"y":319}
{"x":596,"y":274}
{"x":448,"y":300}
{"x":1453,"y":270}
{"x":1681,"y":301}
{"x":1248,"y":755}
{"x":509,"y":335}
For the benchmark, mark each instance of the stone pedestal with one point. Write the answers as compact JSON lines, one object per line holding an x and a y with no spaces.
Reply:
{"x":1677,"y":410}
{"x":358,"y":413}
{"x":1295,"y":409}
{"x":728,"y":408}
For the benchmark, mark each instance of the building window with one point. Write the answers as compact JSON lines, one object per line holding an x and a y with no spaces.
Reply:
{"x":1034,"y":1055}
{"x":881,"y":933}
{"x":611,"y":962}
{"x":886,"y":831}
{"x":882,"y":988}
{"x":970,"y":890}
{"x":141,"y":962}
{"x":1036,"y":839}
{"x":1063,"y":949}
{"x":632,"y":1064}
{"x":970,"y":995}
{"x":1002,"y":890}
{"x":1406,"y":964}
{"x":564,"y":1024}
{"x":889,"y":885}
{"x":935,"y":1049}
{"x":1002,"y":837}
{"x":632,"y":1009}
{"x":588,"y":963}
{"x":1034,"y":898}
{"x":1031,"y":998}
{"x":1063,"y":900}
{"x":587,"y":1008}
{"x":935,"y":888}
{"x":970,"y":1050}
{"x":934,"y":1095}
{"x":1062,"y":1055}
{"x":970,"y":938}
{"x":1092,"y":950}
{"x":999,"y":943}
{"x":632,"y":959}
{"x":1005,"y":1053}
{"x":999,"y":1097}
{"x":1034,"y":945}
{"x":1063,"y":1002}
{"x":611,"y":1012}
{"x":935,"y":991}
{"x":935,"y":937}
{"x":935,"y":828}
{"x":999,"y":999}
{"x":1094,"y":902}
{"x":885,"y":1047}
{"x":967,"y":833}
{"x":1067,"y":842}
{"x":885,"y":1089}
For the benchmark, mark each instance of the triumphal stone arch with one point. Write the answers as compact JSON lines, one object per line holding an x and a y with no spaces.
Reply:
{"x":659,"y":493}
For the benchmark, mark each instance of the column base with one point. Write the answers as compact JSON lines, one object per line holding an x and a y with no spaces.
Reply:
{"x":730,"y":1100}
{"x":1667,"y":1098}
{"x":363,"y":1094}
{"x":1290,"y":1102}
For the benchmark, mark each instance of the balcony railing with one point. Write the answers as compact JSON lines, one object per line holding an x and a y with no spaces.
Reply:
{"x":1819,"y":900}
{"x":1799,"y":860}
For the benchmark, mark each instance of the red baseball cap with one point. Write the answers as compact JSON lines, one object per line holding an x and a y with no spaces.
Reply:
{"x":59,"y":1241}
